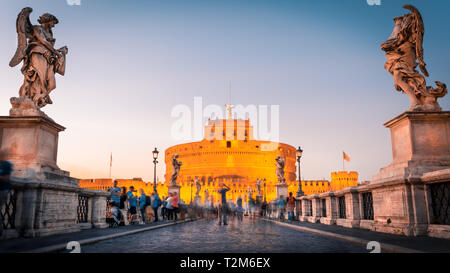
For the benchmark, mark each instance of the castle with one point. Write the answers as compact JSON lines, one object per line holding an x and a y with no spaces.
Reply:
{"x":229,"y":154}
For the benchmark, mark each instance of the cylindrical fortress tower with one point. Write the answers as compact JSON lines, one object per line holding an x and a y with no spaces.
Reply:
{"x":229,"y":154}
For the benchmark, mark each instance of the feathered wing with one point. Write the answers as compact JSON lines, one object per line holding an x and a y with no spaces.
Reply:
{"x":418,"y":30}
{"x":24,"y":32}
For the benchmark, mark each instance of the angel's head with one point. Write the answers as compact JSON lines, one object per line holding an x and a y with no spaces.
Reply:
{"x":48,"y":19}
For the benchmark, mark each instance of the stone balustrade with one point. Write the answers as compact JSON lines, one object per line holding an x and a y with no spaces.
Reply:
{"x":52,"y":206}
{"x":365,"y":207}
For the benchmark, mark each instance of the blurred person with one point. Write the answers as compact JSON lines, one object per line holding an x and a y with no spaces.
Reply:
{"x":132,"y":201}
{"x":169,"y":208}
{"x":281,"y":205}
{"x":156,"y":203}
{"x":175,"y":204}
{"x":239,"y":209}
{"x":163,"y":208}
{"x":223,"y":206}
{"x":115,"y":202}
{"x":143,"y":204}
{"x":6,"y":169}
{"x":290,"y":201}
{"x":251,"y":206}
{"x":264,"y":209}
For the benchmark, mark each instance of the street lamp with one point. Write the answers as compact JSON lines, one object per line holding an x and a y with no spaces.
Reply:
{"x":299,"y":155}
{"x":155,"y":161}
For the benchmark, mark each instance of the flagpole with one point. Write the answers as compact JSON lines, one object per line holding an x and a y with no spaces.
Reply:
{"x":110,"y":166}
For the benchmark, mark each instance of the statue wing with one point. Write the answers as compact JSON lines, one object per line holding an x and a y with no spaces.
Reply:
{"x":24,"y":32}
{"x":418,"y":30}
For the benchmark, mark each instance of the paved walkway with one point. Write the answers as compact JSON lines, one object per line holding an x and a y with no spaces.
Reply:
{"x":419,"y":244}
{"x":249,"y":236}
{"x":59,"y":242}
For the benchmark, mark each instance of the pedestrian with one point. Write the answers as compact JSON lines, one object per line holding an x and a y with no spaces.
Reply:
{"x":123,"y":198}
{"x":142,"y":204}
{"x":281,"y":207}
{"x":175,"y":205}
{"x":251,"y":206}
{"x":6,"y":169}
{"x":240,"y":209}
{"x":290,"y":206}
{"x":115,"y":202}
{"x":223,"y":207}
{"x":232,"y":207}
{"x":163,"y":208}
{"x":156,"y":203}
{"x":132,"y":202}
{"x":211,"y":208}
{"x":169,"y":207}
{"x":264,"y":208}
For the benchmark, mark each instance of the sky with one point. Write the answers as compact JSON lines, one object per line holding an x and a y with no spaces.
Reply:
{"x":130,"y":62}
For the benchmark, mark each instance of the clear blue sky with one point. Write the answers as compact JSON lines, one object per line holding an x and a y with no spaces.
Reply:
{"x":131,"y":61}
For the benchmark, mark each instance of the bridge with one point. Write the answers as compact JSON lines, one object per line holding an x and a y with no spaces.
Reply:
{"x":202,"y":234}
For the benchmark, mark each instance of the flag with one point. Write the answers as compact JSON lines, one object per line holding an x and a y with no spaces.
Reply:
{"x":345,"y":156}
{"x":110,"y":161}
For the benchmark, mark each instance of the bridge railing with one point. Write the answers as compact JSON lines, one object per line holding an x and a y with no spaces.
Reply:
{"x":33,"y":209}
{"x":348,"y":207}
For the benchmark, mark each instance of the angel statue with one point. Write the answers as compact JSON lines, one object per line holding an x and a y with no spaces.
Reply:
{"x":176,"y":169}
{"x":41,"y":61}
{"x":281,"y":162}
{"x":258,"y":186}
{"x":198,"y":185}
{"x":403,"y":53}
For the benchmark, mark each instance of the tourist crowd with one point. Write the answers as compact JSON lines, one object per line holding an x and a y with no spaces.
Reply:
{"x":129,"y":207}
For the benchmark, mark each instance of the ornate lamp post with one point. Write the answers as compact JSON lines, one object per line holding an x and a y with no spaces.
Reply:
{"x":155,"y":161}
{"x":300,"y":191}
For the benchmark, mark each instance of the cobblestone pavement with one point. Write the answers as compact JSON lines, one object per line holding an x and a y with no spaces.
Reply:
{"x":30,"y":244}
{"x":421,"y":243}
{"x":249,"y":236}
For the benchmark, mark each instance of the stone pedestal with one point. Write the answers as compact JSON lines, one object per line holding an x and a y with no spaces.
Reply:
{"x":174,"y":189}
{"x":282,"y":190}
{"x":420,"y":144}
{"x":259,"y":199}
{"x":31,"y":144}
{"x":198,"y":200}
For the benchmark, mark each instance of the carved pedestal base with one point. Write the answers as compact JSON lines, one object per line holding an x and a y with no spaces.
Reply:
{"x":282,"y":190}
{"x":31,"y":144}
{"x":259,"y":199}
{"x":420,"y":145}
{"x":198,"y":200}
{"x":174,"y":189}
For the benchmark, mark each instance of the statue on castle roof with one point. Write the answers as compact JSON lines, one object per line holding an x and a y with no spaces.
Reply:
{"x":41,"y":61}
{"x":403,"y":51}
{"x":229,"y":111}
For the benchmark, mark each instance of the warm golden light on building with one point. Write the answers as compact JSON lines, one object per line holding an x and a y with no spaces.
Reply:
{"x":229,"y":154}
